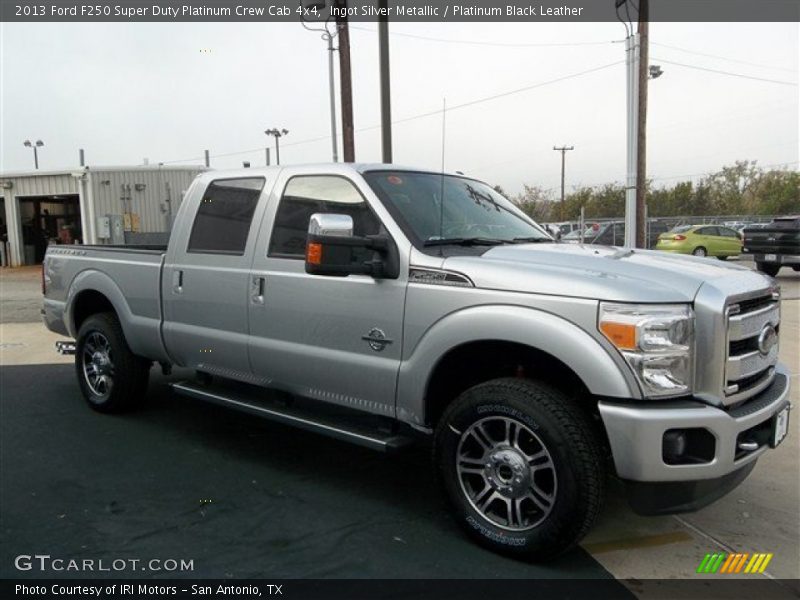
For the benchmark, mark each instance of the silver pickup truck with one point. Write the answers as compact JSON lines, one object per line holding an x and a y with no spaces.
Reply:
{"x":381,"y":305}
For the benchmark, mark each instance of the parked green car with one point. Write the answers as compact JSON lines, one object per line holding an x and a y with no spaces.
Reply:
{"x":702,"y":240}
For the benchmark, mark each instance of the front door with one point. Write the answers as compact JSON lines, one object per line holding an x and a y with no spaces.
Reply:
{"x":337,"y":339}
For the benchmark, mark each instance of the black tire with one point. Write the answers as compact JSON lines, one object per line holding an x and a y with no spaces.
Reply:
{"x":700,"y":251}
{"x":770,"y":269}
{"x":112,"y":378}
{"x":796,"y":267}
{"x":546,"y":418}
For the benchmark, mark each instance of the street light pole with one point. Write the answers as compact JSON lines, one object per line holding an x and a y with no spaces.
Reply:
{"x":563,"y":150}
{"x":277,"y":134}
{"x":316,"y":6}
{"x":35,"y":145}
{"x":332,"y":92}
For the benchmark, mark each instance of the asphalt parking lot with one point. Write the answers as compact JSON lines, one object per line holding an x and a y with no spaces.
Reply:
{"x":245,"y":498}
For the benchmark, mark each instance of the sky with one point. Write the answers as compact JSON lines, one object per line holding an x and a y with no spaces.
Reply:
{"x":166,"y":91}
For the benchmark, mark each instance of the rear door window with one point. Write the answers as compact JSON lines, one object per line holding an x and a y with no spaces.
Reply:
{"x":224,"y":216}
{"x":707,"y":231}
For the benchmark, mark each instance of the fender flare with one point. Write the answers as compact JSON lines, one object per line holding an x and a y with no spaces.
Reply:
{"x":602,"y":371}
{"x":142,"y":334}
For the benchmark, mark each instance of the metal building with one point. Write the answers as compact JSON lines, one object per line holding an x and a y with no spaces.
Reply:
{"x":91,"y":205}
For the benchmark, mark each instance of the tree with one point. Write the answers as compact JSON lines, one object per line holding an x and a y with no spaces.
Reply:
{"x":537,"y":203}
{"x":743,"y":189}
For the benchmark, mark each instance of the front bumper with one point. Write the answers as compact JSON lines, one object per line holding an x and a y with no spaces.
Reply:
{"x":671,"y":497}
{"x":636,"y":432}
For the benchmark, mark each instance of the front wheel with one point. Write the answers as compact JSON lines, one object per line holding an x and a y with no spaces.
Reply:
{"x":111,"y":377}
{"x":770,"y":269}
{"x":521,"y":466}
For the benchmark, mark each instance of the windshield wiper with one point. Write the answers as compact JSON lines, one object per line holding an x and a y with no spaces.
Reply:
{"x":470,"y":241}
{"x":532,"y":240}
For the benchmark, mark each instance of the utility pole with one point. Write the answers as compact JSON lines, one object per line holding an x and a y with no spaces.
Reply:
{"x":266,"y":153}
{"x":641,"y":143}
{"x":346,"y":84}
{"x":563,"y":150}
{"x":632,"y":125}
{"x":208,"y":159}
{"x":386,"y":106}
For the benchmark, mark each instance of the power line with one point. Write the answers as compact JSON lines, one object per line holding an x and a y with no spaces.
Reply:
{"x":485,"y":43}
{"x":509,"y":93}
{"x":730,"y":73}
{"x":785,"y":165}
{"x":429,"y":113}
{"x":718,"y":57}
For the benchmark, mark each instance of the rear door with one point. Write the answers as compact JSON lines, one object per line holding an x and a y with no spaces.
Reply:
{"x":730,"y":242}
{"x":206,"y":277}
{"x":336,"y":339}
{"x":706,"y":237}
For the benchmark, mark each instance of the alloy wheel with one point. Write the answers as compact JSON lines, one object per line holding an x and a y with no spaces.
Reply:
{"x":98,"y":366}
{"x":506,"y":473}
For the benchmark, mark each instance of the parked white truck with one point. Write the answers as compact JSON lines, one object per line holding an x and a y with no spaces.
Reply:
{"x":387,"y":303}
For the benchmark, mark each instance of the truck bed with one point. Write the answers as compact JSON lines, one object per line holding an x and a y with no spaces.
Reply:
{"x":129,"y":276}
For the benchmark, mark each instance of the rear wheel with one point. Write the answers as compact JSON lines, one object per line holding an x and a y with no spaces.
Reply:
{"x":770,"y":269}
{"x":111,"y":377}
{"x":521,"y":466}
{"x":699,"y":251}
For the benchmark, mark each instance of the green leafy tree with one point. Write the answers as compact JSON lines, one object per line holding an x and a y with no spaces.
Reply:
{"x":537,"y":203}
{"x":743,"y":188}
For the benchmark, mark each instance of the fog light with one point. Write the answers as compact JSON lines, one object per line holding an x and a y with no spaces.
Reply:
{"x":674,"y":446}
{"x":688,"y":446}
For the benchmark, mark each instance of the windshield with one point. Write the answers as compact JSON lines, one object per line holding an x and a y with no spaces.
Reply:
{"x":681,"y":228}
{"x":471,"y":211}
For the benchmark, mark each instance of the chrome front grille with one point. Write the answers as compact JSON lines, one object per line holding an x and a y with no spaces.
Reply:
{"x":750,"y":359}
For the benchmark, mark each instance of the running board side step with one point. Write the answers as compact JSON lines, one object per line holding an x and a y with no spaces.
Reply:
{"x":287,"y":415}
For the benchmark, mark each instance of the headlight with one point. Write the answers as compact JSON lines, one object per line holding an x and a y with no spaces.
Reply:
{"x":657,"y":341}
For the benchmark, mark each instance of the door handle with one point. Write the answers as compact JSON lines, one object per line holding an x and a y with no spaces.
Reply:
{"x":177,"y":281}
{"x":257,"y":290}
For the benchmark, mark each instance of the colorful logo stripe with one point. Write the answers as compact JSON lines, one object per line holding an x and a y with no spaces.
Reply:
{"x":736,"y":562}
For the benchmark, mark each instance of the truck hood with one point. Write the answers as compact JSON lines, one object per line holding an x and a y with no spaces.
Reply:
{"x":601,"y":272}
